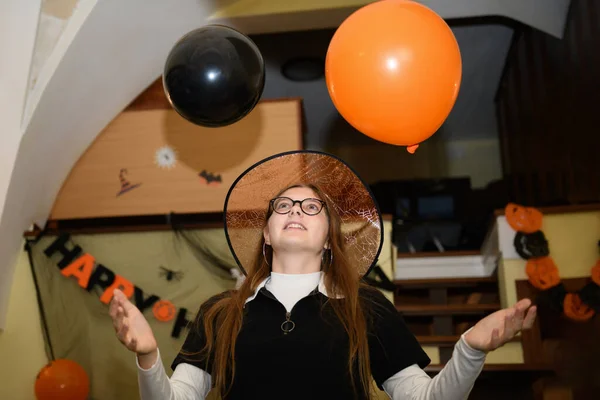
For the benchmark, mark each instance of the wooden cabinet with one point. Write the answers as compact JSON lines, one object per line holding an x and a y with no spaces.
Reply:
{"x":438,"y":311}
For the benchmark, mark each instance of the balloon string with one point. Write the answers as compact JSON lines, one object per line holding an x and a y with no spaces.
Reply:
{"x":39,"y":301}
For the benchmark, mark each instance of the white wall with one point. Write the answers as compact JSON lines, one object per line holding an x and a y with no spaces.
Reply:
{"x":22,"y":348}
{"x":270,"y":16}
{"x":109,"y":52}
{"x":18,"y":24}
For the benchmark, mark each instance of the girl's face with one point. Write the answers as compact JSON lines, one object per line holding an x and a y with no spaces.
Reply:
{"x":293,"y":229}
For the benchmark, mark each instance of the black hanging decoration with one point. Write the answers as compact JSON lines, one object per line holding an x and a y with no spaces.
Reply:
{"x":382,"y":283}
{"x":531,"y":245}
{"x":590,"y":295}
{"x":554,"y":297}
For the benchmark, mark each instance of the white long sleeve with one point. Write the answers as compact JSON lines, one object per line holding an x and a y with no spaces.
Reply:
{"x":454,"y":382}
{"x":187,"y":382}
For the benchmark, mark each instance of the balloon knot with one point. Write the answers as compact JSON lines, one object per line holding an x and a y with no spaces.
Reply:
{"x":412,"y":149}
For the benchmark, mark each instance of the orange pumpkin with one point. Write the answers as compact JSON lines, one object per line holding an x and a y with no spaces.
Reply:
{"x":164,"y":310}
{"x":523,"y":219}
{"x":575,"y":309}
{"x":542,"y":272}
{"x":596,"y":273}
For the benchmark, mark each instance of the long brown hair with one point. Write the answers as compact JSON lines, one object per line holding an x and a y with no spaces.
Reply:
{"x":222,"y":317}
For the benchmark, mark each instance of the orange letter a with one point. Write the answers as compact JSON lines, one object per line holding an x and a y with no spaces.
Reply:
{"x":81,"y":268}
{"x":119,"y":283}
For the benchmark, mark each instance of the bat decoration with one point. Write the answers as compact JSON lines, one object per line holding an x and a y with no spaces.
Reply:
{"x":169,"y":274}
{"x":126,"y":186}
{"x":209,"y":178}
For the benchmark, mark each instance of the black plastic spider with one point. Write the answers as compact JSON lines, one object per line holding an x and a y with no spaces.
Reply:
{"x":170,"y":274}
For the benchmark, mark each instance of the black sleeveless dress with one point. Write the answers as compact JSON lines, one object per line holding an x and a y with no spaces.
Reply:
{"x":310,"y":361}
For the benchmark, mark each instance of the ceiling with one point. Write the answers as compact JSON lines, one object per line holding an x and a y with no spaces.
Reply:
{"x":79,"y":63}
{"x":483,"y":50}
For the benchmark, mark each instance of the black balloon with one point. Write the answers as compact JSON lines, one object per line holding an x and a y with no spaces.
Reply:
{"x":214,"y":76}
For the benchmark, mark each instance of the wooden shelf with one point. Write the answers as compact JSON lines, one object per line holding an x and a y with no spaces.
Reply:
{"x":438,"y":308}
{"x":451,"y":253}
{"x":502,"y":367}
{"x":445,"y":341}
{"x":509,"y":371}
{"x":447,"y":309}
{"x":444,"y":282}
{"x":564,"y":209}
{"x":439,"y":340}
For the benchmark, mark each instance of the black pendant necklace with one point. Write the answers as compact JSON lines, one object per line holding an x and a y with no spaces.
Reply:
{"x":288,"y":325}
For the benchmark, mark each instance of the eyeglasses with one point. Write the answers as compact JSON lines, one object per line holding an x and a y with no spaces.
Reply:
{"x":283,"y":205}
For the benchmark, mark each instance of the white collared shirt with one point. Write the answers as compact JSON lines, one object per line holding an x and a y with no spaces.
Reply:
{"x":290,"y":288}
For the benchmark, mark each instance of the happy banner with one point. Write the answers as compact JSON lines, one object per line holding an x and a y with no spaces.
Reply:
{"x":163,"y":273}
{"x":90,"y":275}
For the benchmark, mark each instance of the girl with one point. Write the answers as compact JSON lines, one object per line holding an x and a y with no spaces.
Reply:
{"x":305,"y":229}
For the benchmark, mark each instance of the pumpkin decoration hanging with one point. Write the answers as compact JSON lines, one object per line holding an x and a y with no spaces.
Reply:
{"x":542,"y":273}
{"x":531,"y":244}
{"x":575,"y":309}
{"x":523,"y":219}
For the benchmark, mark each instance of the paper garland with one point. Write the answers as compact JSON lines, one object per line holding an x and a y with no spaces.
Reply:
{"x":90,"y":275}
{"x":531,"y":244}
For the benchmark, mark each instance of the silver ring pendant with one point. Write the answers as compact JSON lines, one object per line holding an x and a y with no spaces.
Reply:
{"x":287,"y":326}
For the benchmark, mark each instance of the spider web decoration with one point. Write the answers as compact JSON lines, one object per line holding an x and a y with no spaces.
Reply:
{"x":207,"y":253}
{"x":165,"y":157}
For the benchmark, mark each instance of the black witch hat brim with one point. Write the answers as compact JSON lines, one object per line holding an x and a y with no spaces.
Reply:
{"x":247,"y":201}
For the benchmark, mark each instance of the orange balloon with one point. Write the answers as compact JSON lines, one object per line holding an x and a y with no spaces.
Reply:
{"x":393,"y":70}
{"x":62,"y":379}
